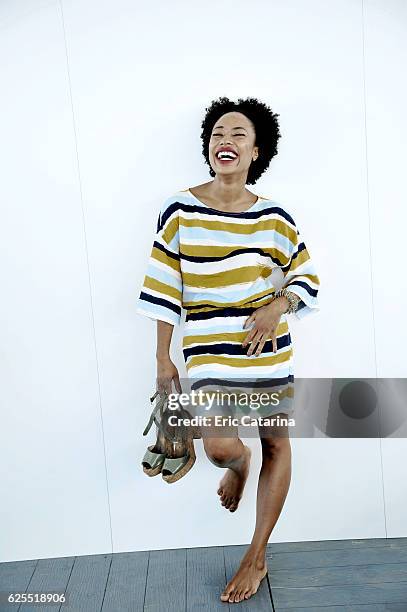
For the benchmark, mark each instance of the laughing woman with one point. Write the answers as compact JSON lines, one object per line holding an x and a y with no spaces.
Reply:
{"x":216,"y":247}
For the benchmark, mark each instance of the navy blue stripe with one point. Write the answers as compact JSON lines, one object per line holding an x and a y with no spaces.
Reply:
{"x":228,"y":311}
{"x":214,"y":213}
{"x":160,"y":302}
{"x":170,"y":254}
{"x":304,"y":284}
{"x":225,"y":348}
{"x":240,"y":251}
{"x":243,"y":382}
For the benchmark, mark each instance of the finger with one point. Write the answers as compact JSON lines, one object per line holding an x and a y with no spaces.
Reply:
{"x":254,"y":342}
{"x":249,"y":320}
{"x":274,"y":342}
{"x":249,"y":337}
{"x":261,"y":345}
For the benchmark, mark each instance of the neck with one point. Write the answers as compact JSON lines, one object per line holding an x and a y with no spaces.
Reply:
{"x":228,"y":192}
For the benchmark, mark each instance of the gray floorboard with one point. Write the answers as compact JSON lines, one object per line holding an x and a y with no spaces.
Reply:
{"x":366,"y":608}
{"x":206,"y":579}
{"x":49,"y":576}
{"x":337,"y":557}
{"x":350,"y":595}
{"x":340,"y":575}
{"x":126,"y":584}
{"x":333,"y":576}
{"x":336,"y":544}
{"x":339,"y":579}
{"x":15,"y":577}
{"x":87,"y":583}
{"x":166,"y":581}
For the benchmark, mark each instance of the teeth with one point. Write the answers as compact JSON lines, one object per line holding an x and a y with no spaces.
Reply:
{"x":227,"y":155}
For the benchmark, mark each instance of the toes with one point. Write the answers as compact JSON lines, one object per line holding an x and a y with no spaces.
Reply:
{"x":227,"y":593}
{"x":234,"y":505}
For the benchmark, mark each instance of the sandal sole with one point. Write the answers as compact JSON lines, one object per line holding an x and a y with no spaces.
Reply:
{"x":152,"y":472}
{"x":183,"y":471}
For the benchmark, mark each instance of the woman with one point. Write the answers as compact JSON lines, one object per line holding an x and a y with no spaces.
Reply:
{"x":216,"y":247}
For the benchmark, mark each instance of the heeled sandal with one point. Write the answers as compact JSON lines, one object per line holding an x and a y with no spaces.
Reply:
{"x":172,"y":468}
{"x":153,"y":461}
{"x":175,"y":468}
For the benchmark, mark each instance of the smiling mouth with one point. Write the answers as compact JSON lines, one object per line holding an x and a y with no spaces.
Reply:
{"x":226,"y":157}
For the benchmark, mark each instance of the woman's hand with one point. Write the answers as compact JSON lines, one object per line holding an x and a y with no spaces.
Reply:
{"x":266,"y":320}
{"x":166,"y":373}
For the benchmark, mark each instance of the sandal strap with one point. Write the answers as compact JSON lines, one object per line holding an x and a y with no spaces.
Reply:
{"x":173,"y":465}
{"x":159,"y":406}
{"x":153,"y":459}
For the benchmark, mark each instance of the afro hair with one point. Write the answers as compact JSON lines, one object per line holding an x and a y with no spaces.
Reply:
{"x":265,"y":124}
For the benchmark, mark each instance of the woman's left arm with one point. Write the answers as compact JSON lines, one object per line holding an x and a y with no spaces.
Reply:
{"x":300,"y":278}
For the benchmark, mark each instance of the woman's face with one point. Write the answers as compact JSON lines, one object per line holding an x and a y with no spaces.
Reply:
{"x":233,"y":134}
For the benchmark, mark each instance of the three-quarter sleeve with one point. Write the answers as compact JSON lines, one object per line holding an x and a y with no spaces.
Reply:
{"x":299,"y":271}
{"x":161,"y":293}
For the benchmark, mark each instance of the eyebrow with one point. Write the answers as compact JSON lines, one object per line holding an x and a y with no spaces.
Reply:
{"x":235,"y":128}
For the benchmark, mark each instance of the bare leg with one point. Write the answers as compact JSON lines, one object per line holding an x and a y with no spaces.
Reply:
{"x":274,"y":482}
{"x":232,"y":454}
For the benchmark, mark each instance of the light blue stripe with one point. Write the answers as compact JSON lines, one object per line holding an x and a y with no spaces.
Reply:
{"x":282,"y":372}
{"x":232,"y":297}
{"x":266,"y":238}
{"x":160,"y":275}
{"x":156,"y":311}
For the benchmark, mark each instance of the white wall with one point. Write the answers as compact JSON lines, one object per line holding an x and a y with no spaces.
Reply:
{"x":100,"y":113}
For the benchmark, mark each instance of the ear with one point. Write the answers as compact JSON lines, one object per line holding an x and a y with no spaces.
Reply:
{"x":255,"y":152}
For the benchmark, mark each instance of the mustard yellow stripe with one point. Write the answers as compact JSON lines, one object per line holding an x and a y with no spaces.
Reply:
{"x":241,"y":303}
{"x":225,"y":278}
{"x":248,"y":227}
{"x":223,"y":251}
{"x":159,"y":255}
{"x":170,"y":230}
{"x":225,"y":336}
{"x":243,"y":362}
{"x":301,"y":258}
{"x":305,"y":277}
{"x":163,"y":288}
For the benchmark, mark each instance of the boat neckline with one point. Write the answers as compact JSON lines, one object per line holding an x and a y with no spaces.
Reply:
{"x":227,"y":212}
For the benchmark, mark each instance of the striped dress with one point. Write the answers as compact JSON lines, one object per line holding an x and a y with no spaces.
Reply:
{"x":220,"y":267}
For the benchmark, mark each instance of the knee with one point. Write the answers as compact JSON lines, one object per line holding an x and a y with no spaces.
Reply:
{"x":273,"y":447}
{"x":217,"y":453}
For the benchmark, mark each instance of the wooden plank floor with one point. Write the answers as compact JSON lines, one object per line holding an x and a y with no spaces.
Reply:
{"x":325,"y":576}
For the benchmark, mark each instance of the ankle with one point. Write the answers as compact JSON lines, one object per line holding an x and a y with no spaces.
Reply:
{"x":255,"y":558}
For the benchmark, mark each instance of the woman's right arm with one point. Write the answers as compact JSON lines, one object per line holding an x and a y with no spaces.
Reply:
{"x":161,"y":294}
{"x":166,"y":369}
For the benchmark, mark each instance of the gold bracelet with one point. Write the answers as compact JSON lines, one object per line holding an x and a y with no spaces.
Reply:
{"x":293,"y":299}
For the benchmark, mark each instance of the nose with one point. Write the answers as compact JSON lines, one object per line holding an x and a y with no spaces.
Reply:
{"x":226,"y":140}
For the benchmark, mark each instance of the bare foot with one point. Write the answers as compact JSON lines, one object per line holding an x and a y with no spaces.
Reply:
{"x":245,"y":582}
{"x":232,"y":484}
